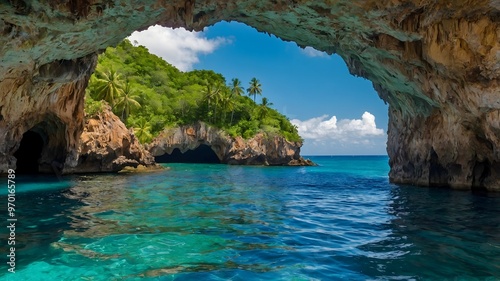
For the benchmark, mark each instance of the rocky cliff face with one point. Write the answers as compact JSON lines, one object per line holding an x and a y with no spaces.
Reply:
{"x":259,"y":150}
{"x":437,"y":64}
{"x":106,"y":145}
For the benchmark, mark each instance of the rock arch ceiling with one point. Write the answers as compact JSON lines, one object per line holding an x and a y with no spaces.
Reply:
{"x":436,"y":62}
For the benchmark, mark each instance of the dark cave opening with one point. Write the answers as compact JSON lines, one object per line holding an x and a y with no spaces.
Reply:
{"x":438,"y":175}
{"x":202,"y":154}
{"x":29,"y":153}
{"x":481,"y":171}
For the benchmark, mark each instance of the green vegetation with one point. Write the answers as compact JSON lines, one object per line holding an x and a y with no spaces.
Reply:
{"x":92,"y":106}
{"x":127,"y":101}
{"x":255,"y":88}
{"x":149,"y":95}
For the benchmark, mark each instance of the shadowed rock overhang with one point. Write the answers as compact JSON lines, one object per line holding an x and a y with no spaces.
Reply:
{"x":202,"y":154}
{"x":202,"y":143}
{"x":436,"y":63}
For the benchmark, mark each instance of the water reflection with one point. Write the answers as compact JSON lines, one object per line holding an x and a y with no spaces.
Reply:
{"x":170,"y":224}
{"x":42,"y":217}
{"x":218,"y":223}
{"x":436,"y":233}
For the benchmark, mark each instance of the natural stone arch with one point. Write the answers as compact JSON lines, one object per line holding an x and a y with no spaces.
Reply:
{"x":201,"y":154}
{"x":435,"y":62}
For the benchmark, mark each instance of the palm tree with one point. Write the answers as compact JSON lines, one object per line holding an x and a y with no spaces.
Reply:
{"x":264,"y":107}
{"x":143,"y":130}
{"x":213,"y":96}
{"x":209,"y":95}
{"x":232,"y":106}
{"x":218,"y":94}
{"x":228,"y":103}
{"x":255,"y":88}
{"x":265,"y":102}
{"x":236,"y":87}
{"x":127,"y":102}
{"x":109,"y":86}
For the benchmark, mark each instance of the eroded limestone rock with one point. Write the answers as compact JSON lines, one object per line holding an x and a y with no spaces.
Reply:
{"x":259,"y":150}
{"x":437,"y":64}
{"x":51,"y":106}
{"x":106,"y":145}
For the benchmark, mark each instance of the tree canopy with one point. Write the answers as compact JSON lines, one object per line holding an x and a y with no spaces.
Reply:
{"x":255,"y":88}
{"x":150,"y":94}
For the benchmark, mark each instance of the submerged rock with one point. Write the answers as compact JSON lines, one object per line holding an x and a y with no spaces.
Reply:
{"x":106,"y":145}
{"x":259,"y":150}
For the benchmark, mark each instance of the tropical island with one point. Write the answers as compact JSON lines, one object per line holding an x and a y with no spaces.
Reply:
{"x":434,"y":62}
{"x":190,"y":116}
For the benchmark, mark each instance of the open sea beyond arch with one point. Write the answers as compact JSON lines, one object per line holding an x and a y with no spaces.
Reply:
{"x":341,"y":220}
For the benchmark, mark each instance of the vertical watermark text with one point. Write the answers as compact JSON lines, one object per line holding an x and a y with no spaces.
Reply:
{"x":11,"y":220}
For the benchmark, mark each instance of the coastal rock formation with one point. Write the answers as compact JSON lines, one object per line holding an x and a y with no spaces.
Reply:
{"x":259,"y":150}
{"x":46,"y":102}
{"x":106,"y":145}
{"x":436,"y":63}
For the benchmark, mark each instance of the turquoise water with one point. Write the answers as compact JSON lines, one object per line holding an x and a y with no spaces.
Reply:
{"x":341,"y":220}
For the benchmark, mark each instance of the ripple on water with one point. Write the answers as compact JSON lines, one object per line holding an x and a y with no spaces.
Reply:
{"x":339,"y":221}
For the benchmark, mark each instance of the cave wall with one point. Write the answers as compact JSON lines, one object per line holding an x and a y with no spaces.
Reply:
{"x":50,"y":101}
{"x":55,"y":149}
{"x":435,"y":62}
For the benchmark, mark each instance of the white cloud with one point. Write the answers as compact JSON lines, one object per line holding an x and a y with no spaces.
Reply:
{"x":178,"y":46}
{"x":346,"y":131}
{"x":311,"y":52}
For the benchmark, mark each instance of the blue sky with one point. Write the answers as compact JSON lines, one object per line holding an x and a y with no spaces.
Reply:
{"x":337,"y":113}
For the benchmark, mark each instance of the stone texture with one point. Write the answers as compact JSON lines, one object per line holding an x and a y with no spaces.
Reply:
{"x":49,"y":105}
{"x":106,"y":145}
{"x":435,"y":62}
{"x":259,"y":150}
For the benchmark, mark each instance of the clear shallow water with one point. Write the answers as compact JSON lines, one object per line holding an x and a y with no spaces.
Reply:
{"x":339,"y":221}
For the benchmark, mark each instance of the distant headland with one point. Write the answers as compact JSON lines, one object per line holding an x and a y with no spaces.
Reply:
{"x":179,"y":116}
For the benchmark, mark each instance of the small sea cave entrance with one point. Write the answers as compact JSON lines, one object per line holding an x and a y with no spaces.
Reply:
{"x":29,"y":153}
{"x":203,"y":154}
{"x":42,"y":149}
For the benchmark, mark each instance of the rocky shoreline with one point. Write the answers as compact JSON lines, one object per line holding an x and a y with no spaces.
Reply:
{"x":258,"y":150}
{"x":106,"y":145}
